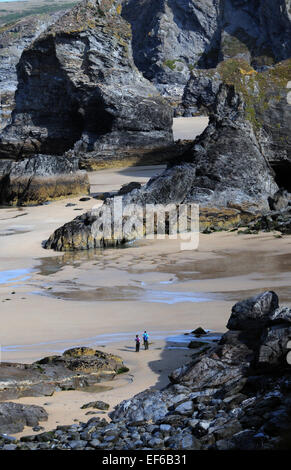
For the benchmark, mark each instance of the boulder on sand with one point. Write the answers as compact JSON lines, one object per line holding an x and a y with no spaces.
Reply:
{"x":14,"y":416}
{"x":75,"y":369}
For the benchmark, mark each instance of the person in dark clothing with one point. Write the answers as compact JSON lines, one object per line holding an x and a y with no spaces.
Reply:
{"x":146,"y":340}
{"x":137,"y":343}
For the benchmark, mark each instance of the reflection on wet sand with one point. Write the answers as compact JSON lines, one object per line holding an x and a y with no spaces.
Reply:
{"x":14,"y":275}
{"x":108,"y":294}
{"x":122,"y":275}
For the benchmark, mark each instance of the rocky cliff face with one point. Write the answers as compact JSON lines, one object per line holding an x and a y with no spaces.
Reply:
{"x":80,"y":94}
{"x":13,"y":40}
{"x":78,"y":87}
{"x":169,"y":37}
{"x":172,"y":37}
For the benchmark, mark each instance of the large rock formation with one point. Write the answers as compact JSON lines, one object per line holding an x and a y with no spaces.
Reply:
{"x":14,"y":38}
{"x":78,"y":87}
{"x":172,"y":37}
{"x":169,"y":37}
{"x":232,"y":170}
{"x":265,"y":101}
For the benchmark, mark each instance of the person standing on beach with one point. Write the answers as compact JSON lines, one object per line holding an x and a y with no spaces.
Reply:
{"x":137,"y":343}
{"x":146,"y":340}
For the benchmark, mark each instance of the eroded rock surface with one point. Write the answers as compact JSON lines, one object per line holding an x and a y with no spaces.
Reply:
{"x":14,"y":416}
{"x":173,"y":37}
{"x":14,"y":38}
{"x":74,"y":370}
{"x":265,"y":102}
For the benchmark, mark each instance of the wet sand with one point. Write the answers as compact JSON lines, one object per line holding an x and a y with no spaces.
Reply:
{"x":147,"y":369}
{"x":101,"y":299}
{"x":53,"y":301}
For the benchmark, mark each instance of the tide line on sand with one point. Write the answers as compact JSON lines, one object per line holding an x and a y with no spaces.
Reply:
{"x":178,"y":337}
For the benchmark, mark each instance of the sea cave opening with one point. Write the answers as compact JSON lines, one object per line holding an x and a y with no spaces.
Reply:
{"x":282,"y":171}
{"x":188,"y":128}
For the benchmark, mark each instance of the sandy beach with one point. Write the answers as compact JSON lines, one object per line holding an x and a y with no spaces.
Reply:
{"x":189,"y":128}
{"x":53,"y":301}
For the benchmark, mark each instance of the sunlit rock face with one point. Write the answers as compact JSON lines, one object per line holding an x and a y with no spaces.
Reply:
{"x":14,"y":38}
{"x":173,"y":37}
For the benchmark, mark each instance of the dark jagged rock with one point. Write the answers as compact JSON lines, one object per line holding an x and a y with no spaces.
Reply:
{"x":40,"y":178}
{"x":224,"y":374}
{"x":74,"y":370}
{"x":127,"y":188}
{"x":99,"y":405}
{"x":254,"y":312}
{"x":279,"y":221}
{"x":14,"y":416}
{"x":199,"y":332}
{"x":173,"y":37}
{"x":78,"y":87}
{"x":273,"y":347}
{"x":265,"y":109}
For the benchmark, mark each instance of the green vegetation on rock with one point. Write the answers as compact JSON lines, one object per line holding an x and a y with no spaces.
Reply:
{"x":258,"y":89}
{"x":172,"y":63}
{"x":50,"y":8}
